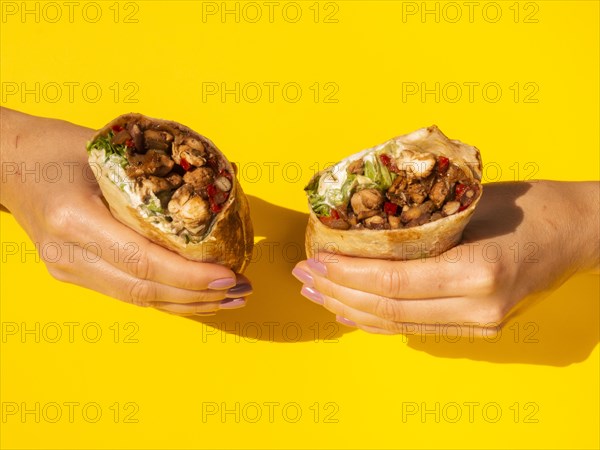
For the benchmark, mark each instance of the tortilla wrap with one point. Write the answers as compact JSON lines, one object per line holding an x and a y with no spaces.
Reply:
{"x":227,"y":240}
{"x":429,"y":239}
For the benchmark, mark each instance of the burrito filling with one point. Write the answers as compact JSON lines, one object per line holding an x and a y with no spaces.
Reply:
{"x":175,"y":180}
{"x":390,"y":188}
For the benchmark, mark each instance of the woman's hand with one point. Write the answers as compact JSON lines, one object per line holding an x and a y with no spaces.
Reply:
{"x":51,"y":191}
{"x":524,"y":239}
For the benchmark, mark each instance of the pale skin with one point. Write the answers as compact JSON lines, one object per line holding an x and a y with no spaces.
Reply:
{"x":546,"y":231}
{"x":97,"y":251}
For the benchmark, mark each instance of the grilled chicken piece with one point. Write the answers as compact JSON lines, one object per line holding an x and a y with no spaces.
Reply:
{"x":189,"y":209}
{"x":415,"y":164}
{"x":376,"y":223}
{"x":146,"y":184}
{"x":366,"y":203}
{"x":417,"y":193}
{"x":137,"y":136}
{"x":153,"y":162}
{"x":397,"y":191}
{"x":199,"y":178}
{"x":450,"y":208}
{"x":120,"y":138}
{"x":410,"y":214}
{"x":356,"y":167}
{"x":160,"y":140}
{"x":439,"y":192}
{"x":395,"y":222}
{"x":192,"y":150}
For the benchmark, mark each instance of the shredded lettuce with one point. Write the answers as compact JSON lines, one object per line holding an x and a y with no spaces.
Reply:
{"x":377,"y":172}
{"x":325,"y":192}
{"x":317,"y":202}
{"x":110,"y":149}
{"x":153,"y":207}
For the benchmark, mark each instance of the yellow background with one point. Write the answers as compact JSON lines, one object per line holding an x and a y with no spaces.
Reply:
{"x":178,"y":365}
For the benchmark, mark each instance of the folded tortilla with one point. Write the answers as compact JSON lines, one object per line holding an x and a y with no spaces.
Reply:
{"x":410,"y":197}
{"x":175,"y":187}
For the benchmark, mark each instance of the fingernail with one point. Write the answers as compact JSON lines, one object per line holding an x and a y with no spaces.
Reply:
{"x":222,"y":283}
{"x":312,"y":294}
{"x":240,"y":290}
{"x":303,"y":276}
{"x":317,"y":266}
{"x":345,"y":321}
{"x":233,"y":303}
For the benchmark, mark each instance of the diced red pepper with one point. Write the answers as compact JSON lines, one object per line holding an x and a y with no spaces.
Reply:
{"x":390,"y":208}
{"x":388,"y":162}
{"x":220,"y":197}
{"x":326,"y":220}
{"x":185,"y":165}
{"x":117,"y":128}
{"x":129,"y":143}
{"x":334,"y":214}
{"x":216,"y":198}
{"x":443,"y":164}
{"x":459,"y":190}
{"x":225,"y":173}
{"x":211,"y":190}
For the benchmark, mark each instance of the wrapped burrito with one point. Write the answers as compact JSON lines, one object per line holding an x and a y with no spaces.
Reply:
{"x":175,"y":187}
{"x":408,"y":198}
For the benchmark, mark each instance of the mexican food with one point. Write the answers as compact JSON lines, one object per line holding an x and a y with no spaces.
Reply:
{"x":407,"y":198}
{"x":173,"y":186}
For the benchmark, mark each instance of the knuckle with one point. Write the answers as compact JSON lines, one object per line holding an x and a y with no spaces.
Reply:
{"x":493,"y":315}
{"x":488,"y":280}
{"x":141,"y":292}
{"x":140,"y":266}
{"x":60,"y":220}
{"x":390,"y":281}
{"x":394,"y":327}
{"x":389,"y":310}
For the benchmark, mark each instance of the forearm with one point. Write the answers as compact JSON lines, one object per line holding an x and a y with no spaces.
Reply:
{"x":563,"y":224}
{"x":10,"y":132}
{"x":27,"y":144}
{"x":586,"y":223}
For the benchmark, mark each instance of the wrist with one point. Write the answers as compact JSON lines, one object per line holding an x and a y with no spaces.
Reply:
{"x":586,"y":223}
{"x":10,"y":134}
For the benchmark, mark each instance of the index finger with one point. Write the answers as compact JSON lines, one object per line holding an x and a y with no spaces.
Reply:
{"x":413,"y":279}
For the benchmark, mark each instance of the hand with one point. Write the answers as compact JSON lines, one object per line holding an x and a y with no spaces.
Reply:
{"x":524,"y":239}
{"x":51,"y":191}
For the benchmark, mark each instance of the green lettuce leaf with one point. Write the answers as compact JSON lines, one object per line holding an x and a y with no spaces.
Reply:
{"x":110,"y":149}
{"x":378,"y":173}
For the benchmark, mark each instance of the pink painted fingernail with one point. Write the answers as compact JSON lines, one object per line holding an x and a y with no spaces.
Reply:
{"x":312,"y":294}
{"x":303,"y":276}
{"x":222,"y":283}
{"x":317,"y":266}
{"x":243,"y":289}
{"x":345,"y":321}
{"x":233,"y":303}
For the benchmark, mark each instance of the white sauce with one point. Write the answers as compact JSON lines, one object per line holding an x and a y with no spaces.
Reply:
{"x":119,"y":178}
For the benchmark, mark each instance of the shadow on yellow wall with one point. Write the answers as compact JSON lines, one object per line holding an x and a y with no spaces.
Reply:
{"x":276,"y":311}
{"x":560,"y":330}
